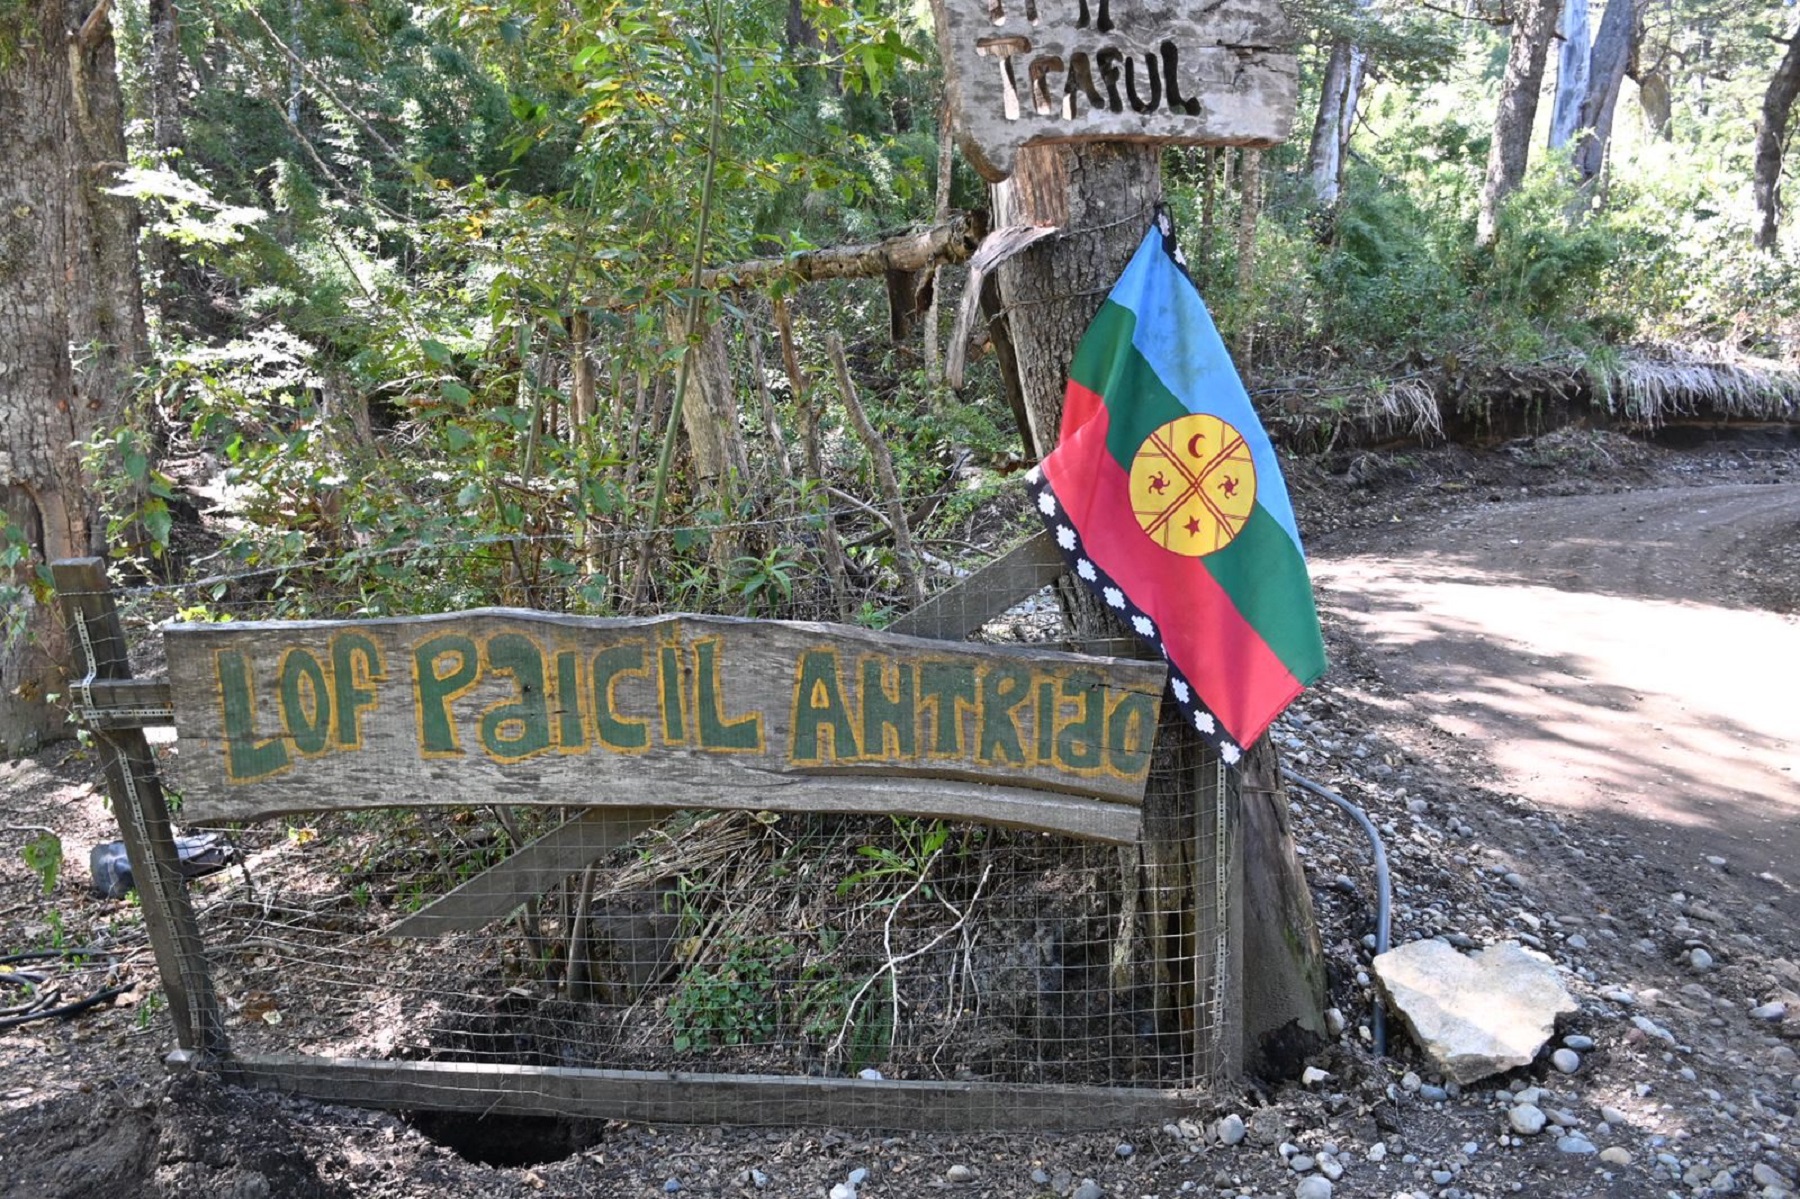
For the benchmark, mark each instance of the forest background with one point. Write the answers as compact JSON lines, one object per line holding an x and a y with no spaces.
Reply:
{"x":463,"y":304}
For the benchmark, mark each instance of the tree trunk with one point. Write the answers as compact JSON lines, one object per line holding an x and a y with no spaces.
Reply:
{"x":1249,"y":212}
{"x":1571,"y":72}
{"x":1102,"y":197}
{"x":1338,"y":96}
{"x":71,"y":317}
{"x":1613,"y":48}
{"x":710,"y":418}
{"x":1533,"y":23}
{"x":1284,"y":977}
{"x":1325,"y":153}
{"x":1771,"y":140}
{"x":1654,"y":99}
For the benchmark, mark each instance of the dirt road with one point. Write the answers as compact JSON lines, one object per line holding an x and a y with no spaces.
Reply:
{"x":1612,"y":654}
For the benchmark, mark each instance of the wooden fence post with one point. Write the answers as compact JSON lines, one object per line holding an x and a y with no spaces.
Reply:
{"x":98,"y":641}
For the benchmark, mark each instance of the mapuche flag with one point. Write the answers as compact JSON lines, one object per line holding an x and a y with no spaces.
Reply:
{"x":1166,"y":498}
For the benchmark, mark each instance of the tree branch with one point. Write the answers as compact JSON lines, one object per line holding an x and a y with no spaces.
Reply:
{"x":91,"y":27}
{"x":948,"y":241}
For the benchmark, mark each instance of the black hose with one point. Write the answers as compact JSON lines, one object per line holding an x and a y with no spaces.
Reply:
{"x":1384,"y":895}
{"x":38,"y":1006}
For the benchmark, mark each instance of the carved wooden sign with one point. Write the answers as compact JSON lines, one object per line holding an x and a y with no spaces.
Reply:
{"x":518,"y":707}
{"x":1022,"y":72}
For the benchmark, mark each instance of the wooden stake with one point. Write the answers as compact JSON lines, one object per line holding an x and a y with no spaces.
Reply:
{"x":137,"y":802}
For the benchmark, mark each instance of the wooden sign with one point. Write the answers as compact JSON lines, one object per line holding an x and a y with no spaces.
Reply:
{"x":518,"y":707}
{"x":1026,"y":72}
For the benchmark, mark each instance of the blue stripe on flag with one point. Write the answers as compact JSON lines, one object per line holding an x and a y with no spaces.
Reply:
{"x":1175,"y":334}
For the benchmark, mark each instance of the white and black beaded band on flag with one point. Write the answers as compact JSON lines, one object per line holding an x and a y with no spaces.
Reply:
{"x":1068,"y":540}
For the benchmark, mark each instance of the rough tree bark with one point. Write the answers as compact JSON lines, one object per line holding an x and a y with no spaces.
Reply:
{"x":71,"y":314}
{"x":1332,"y":125}
{"x":1771,"y":140}
{"x":1571,"y":72}
{"x":1613,"y":50}
{"x":1533,"y":23}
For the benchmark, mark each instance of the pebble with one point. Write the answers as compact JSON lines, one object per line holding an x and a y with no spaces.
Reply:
{"x":1040,"y":1177}
{"x":1377,"y":1152}
{"x":1335,"y":1022}
{"x":1089,"y":1189}
{"x":1313,"y":1186}
{"x":1649,"y":1027}
{"x":1124,"y":1149}
{"x":1301,"y":1163}
{"x":1566,"y":1060}
{"x":843,"y":1191}
{"x":1614,"y":1116}
{"x":858,"y":1176}
{"x":1699,"y":959}
{"x":1431,"y":1094}
{"x":1764,"y":1175}
{"x":758,"y":1179}
{"x":1331,"y":1168}
{"x":1312,"y":1074}
{"x":1615,"y":1156}
{"x":1723,"y":1183}
{"x":1577,"y":941}
{"x":1578,"y":1042}
{"x":1574,"y":1142}
{"x":1231,"y":1129}
{"x":1527,"y":1118}
{"x":672,"y":1186}
{"x":869,"y":1074}
{"x":1769,"y":1011}
{"x":959,"y":1173}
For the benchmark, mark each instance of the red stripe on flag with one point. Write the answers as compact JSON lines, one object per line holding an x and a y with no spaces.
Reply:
{"x":1079,"y":407}
{"x":1231,"y":668}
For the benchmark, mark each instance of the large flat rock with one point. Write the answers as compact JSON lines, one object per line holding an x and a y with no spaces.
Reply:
{"x":1478,"y":1014}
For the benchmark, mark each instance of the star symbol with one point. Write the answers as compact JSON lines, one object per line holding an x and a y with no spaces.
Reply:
{"x":1065,"y":537}
{"x":1046,"y":503}
{"x":1115,"y":597}
{"x":1085,"y":569}
{"x":1193,"y":526}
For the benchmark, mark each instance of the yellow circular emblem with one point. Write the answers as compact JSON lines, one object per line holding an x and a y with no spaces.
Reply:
{"x":1193,"y":485}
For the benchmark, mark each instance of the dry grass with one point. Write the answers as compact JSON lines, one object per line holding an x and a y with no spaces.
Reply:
{"x":1652,"y":387}
{"x":1405,"y":407}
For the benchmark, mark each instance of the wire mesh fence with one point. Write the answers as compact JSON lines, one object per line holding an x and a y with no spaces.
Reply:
{"x":802,"y":945}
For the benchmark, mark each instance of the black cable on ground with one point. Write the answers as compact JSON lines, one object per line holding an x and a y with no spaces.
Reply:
{"x":43,"y":1003}
{"x":1384,"y":896}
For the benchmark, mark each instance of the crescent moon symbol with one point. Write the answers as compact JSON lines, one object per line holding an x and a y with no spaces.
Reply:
{"x":1192,"y":452}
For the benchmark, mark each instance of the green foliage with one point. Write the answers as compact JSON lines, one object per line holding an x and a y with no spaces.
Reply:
{"x":919,"y":844}
{"x":43,"y":856}
{"x":733,"y":1002}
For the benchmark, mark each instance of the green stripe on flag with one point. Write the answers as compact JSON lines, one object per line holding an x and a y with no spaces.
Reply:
{"x":1107,"y":364}
{"x":1265,"y":576}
